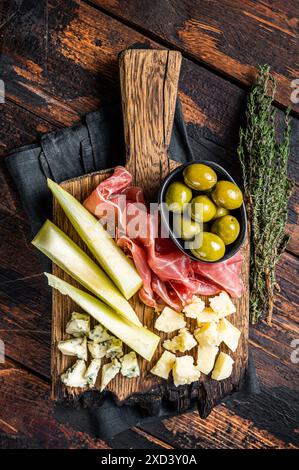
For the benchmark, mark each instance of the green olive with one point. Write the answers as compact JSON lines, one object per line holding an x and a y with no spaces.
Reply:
{"x":202,"y":209}
{"x":227,"y":228}
{"x":177,"y":196}
{"x":200,"y":177}
{"x":184,"y":227}
{"x":220,"y":212}
{"x":212,"y":248}
{"x":228,"y":195}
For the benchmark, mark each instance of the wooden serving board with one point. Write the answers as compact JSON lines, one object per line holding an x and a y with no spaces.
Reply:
{"x":149,"y":82}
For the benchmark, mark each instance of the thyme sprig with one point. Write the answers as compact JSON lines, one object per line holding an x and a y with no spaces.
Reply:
{"x":264,"y":161}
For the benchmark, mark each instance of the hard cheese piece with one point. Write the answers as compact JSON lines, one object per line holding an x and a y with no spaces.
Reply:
{"x":207,"y":335}
{"x":92,"y":372}
{"x":74,"y":347}
{"x":184,"y":341}
{"x":229,"y":334}
{"x":129,"y":365}
{"x":78,"y":325}
{"x":223,"y":367}
{"x":164,"y":365}
{"x":206,"y":316}
{"x":109,"y":371}
{"x":206,"y":356}
{"x":222,"y":304}
{"x":75,"y":375}
{"x":194,"y":308}
{"x":99,"y":334}
{"x":184,"y":372}
{"x":97,"y":350}
{"x":111,"y":258}
{"x":169,"y":320}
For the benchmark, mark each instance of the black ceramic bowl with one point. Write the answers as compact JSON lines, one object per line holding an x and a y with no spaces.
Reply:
{"x":166,"y":216}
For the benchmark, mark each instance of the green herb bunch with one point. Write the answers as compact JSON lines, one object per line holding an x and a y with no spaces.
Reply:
{"x":264,"y":162}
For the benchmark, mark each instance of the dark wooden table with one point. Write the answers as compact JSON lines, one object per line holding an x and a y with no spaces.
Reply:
{"x":58,"y":62}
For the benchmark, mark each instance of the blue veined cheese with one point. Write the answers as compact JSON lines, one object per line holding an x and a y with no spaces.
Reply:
{"x":99,"y":334}
{"x":79,"y":324}
{"x":206,"y":356}
{"x":97,"y":350}
{"x":184,"y":341}
{"x":164,"y":365}
{"x":74,"y":347}
{"x":184,"y":372}
{"x":129,"y":365}
{"x":114,"y":348}
{"x":92,"y":371}
{"x":207,"y":334}
{"x":222,"y":305}
{"x":194,"y":308}
{"x":75,"y":375}
{"x":223,"y":367}
{"x":169,"y":320}
{"x":109,"y":371}
{"x":229,"y":334}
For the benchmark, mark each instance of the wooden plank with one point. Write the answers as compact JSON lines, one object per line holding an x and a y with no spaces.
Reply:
{"x":83,"y":47}
{"x":232,"y":38}
{"x":149,"y":81}
{"x":29,"y":419}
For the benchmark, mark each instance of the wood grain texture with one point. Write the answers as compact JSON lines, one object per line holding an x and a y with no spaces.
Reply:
{"x":76,"y":73}
{"x":231,"y":37}
{"x":149,"y":82}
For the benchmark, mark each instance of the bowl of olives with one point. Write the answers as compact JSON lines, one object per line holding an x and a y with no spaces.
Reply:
{"x":203,"y":211}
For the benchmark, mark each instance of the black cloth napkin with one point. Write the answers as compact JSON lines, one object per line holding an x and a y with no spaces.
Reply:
{"x":95,"y":144}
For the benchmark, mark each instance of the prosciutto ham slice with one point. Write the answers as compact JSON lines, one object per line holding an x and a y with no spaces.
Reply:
{"x":169,"y":276}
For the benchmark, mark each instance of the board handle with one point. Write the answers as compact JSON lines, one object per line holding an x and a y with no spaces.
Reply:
{"x":149,"y":82}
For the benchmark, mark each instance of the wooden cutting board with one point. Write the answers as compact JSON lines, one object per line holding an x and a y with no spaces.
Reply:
{"x":149,"y":81}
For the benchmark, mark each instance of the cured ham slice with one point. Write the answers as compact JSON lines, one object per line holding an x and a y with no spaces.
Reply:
{"x":169,"y":276}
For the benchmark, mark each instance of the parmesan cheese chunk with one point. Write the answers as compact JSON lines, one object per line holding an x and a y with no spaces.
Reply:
{"x":194,"y":308}
{"x":223,"y":367}
{"x":169,"y":320}
{"x":183,"y":342}
{"x":229,"y":334}
{"x":206,"y":356}
{"x":184,"y":371}
{"x":207,"y":334}
{"x":164,"y":365}
{"x":222,"y":304}
{"x":206,"y":316}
